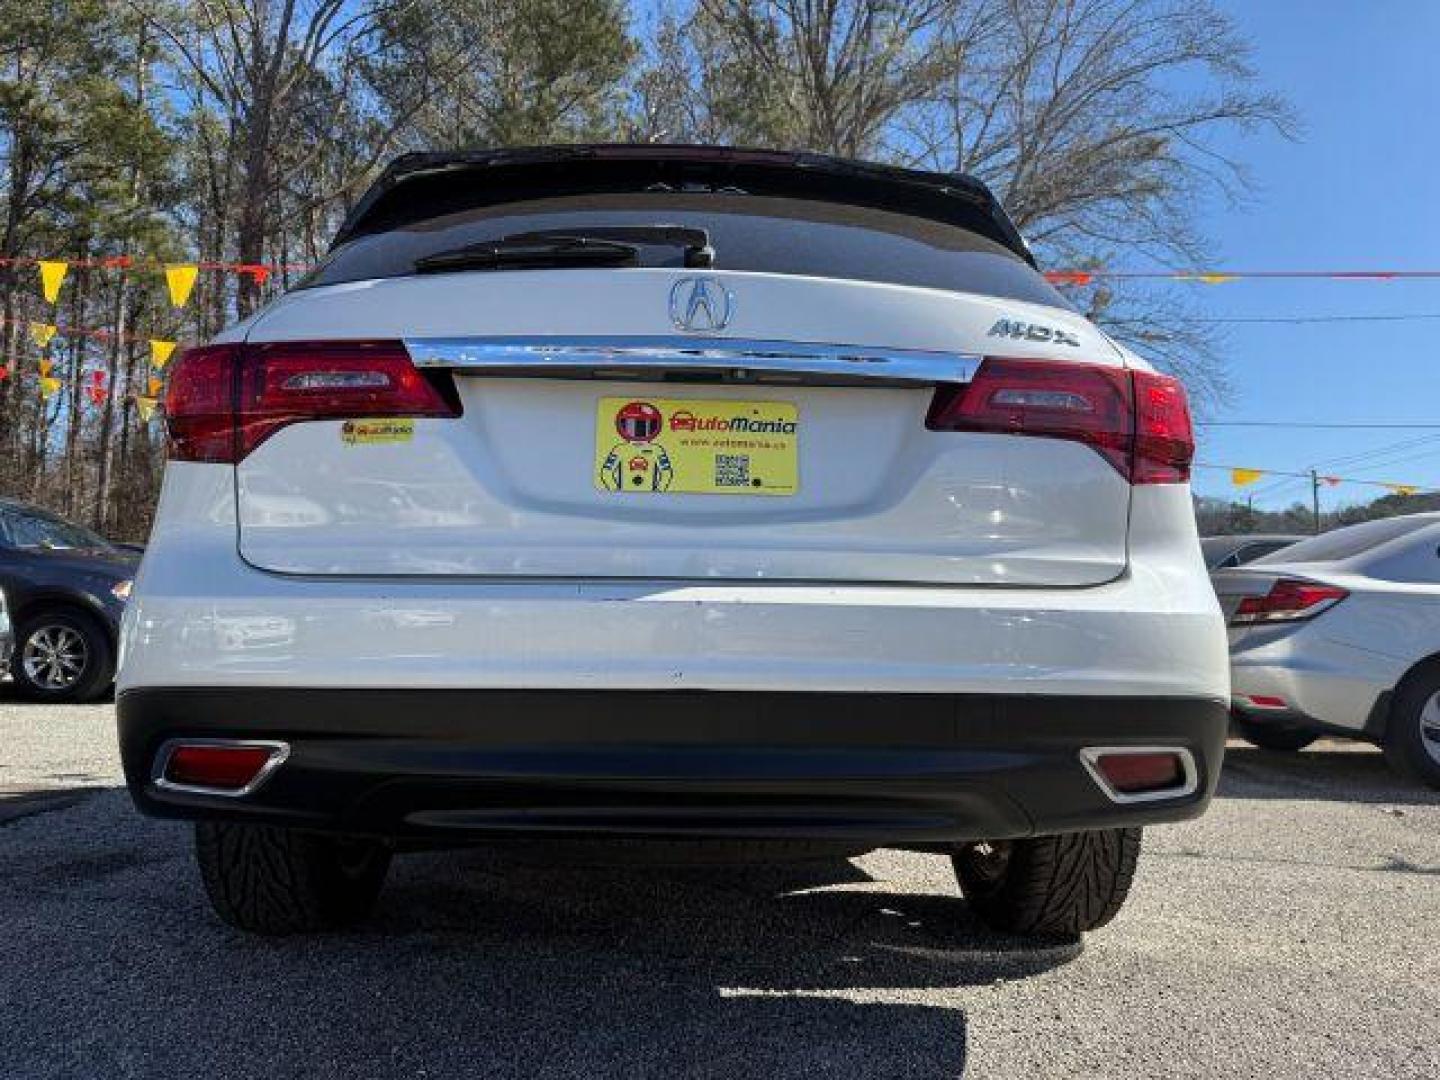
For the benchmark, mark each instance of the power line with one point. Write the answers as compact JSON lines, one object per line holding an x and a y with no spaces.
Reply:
{"x":1343,"y":425}
{"x":1350,"y":460}
{"x":1288,"y":319}
{"x":1364,"y":457}
{"x":1387,"y":460}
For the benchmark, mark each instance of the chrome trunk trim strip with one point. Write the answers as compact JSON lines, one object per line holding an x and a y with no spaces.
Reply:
{"x":706,"y":359}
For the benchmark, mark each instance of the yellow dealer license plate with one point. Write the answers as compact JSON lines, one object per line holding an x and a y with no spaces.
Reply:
{"x":648,"y":446}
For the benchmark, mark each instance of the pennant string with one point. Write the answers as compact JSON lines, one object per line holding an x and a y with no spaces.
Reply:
{"x":1223,"y":277}
{"x":1243,"y":476}
{"x":53,"y":271}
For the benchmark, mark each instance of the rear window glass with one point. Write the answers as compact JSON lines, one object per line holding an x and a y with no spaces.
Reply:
{"x":748,"y":232}
{"x":1251,"y":552}
{"x":1348,"y":542}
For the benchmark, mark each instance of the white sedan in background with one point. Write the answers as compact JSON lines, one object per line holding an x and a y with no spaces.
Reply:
{"x":1340,"y":635}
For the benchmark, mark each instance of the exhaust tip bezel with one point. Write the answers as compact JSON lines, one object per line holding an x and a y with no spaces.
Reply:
{"x":279,"y":754}
{"x":1190,"y":775}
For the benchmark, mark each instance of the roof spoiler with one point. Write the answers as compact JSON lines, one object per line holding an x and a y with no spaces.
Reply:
{"x":420,"y":186}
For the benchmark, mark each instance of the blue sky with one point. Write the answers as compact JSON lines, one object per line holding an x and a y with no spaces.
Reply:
{"x":1359,"y":190}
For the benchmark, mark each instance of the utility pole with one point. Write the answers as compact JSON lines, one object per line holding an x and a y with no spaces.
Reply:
{"x":1315,"y":498}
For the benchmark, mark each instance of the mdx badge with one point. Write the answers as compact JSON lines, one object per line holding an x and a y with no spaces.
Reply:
{"x":1013,"y":328}
{"x":701,"y":305}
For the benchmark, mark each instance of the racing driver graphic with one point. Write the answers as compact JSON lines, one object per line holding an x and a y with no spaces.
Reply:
{"x":639,"y":463}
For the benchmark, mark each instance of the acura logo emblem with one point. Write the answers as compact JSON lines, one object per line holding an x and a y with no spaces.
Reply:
{"x":700,"y":305}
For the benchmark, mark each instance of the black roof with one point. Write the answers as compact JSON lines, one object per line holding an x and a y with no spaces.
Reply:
{"x":419,"y":186}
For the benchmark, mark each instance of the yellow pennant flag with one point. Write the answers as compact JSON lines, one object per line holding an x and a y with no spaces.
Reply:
{"x":1242,"y":477}
{"x":48,"y":386}
{"x":156,"y":384}
{"x":1403,"y":489}
{"x":180,"y":278}
{"x":52,"y":276}
{"x":145,"y":406}
{"x":160,"y":352}
{"x":41,"y":333}
{"x":46,"y":366}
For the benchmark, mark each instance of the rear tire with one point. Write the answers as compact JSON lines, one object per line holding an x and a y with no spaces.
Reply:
{"x":274,"y":881}
{"x":1271,"y":736}
{"x":1049,"y":886}
{"x":1412,"y":735}
{"x":61,"y":656}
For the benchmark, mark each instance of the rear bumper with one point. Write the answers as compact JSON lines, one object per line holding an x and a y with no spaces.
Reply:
{"x":458,"y":765}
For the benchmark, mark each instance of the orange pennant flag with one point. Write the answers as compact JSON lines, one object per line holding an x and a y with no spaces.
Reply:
{"x":160,"y":351}
{"x":1215,"y":279}
{"x":155,"y":385}
{"x":145,"y":406}
{"x":1243,"y":477}
{"x":52,"y":276}
{"x":180,"y":279}
{"x":41,"y":333}
{"x":48,"y":386}
{"x":1331,"y":481}
{"x":46,"y":366}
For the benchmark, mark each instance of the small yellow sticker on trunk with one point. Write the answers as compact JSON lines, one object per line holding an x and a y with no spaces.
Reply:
{"x":354,"y":432}
{"x":701,"y":447}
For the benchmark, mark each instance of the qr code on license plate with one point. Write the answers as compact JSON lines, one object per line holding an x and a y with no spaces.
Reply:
{"x":732,"y":470}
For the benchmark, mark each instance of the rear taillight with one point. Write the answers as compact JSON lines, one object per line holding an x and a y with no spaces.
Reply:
{"x":200,"y":404}
{"x":1164,"y":438}
{"x":1137,"y":420}
{"x":225,"y":400}
{"x":1288,"y":599}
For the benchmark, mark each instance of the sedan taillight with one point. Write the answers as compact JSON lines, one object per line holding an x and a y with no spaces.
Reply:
{"x":224,"y":400}
{"x":1289,"y":599}
{"x":1137,"y":420}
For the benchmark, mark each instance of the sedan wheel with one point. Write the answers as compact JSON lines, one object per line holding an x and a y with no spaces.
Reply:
{"x":1412,"y":734}
{"x":54,"y":657}
{"x":61,"y":656}
{"x":1430,"y":728}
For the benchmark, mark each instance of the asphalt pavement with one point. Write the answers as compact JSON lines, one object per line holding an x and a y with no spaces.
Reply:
{"x":1291,"y":932}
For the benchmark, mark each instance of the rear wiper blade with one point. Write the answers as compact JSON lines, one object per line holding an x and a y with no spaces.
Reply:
{"x":531,"y":251}
{"x":600,"y":245}
{"x":696,"y":242}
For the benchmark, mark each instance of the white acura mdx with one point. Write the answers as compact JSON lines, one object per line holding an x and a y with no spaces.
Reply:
{"x":672,"y":492}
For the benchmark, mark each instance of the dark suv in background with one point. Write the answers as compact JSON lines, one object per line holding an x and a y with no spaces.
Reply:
{"x":65,"y":588}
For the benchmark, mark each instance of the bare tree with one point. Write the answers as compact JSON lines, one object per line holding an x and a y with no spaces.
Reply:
{"x":1097,"y":122}
{"x":1100,"y":123}
{"x":841,"y":69}
{"x":456,"y":73}
{"x":254,"y":69}
{"x":1078,"y":112}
